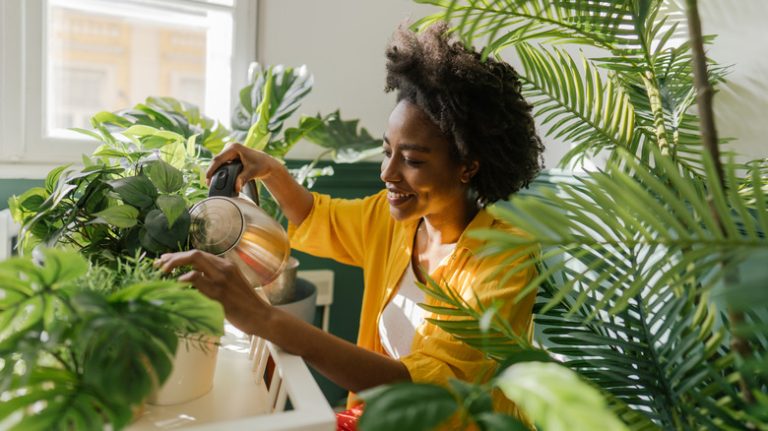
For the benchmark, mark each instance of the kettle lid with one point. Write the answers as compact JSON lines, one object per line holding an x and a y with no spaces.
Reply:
{"x":217,"y":225}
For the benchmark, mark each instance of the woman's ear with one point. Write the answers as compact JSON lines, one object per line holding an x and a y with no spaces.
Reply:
{"x":469,"y":170}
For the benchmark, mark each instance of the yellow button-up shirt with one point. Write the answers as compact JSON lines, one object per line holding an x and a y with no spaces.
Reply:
{"x":361,"y":232}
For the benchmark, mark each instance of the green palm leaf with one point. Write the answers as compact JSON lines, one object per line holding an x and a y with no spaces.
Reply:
{"x":581,"y":107}
{"x":507,"y":22}
{"x":610,"y":224}
{"x":475,"y":323}
{"x":663,"y":356}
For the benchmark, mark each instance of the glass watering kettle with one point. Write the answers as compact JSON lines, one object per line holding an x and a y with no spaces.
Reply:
{"x":234,"y":227}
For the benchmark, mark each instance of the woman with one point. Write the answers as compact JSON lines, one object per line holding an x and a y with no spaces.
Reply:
{"x":460,"y":137}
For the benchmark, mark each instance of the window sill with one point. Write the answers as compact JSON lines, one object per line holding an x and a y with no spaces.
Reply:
{"x":27,"y":171}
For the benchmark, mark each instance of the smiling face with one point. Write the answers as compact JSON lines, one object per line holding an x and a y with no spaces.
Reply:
{"x":420,"y":169}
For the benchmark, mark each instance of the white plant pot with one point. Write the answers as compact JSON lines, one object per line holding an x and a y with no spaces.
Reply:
{"x":192,"y":376}
{"x":304,"y":302}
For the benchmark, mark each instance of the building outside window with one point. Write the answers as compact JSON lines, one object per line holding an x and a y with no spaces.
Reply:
{"x":75,"y":58}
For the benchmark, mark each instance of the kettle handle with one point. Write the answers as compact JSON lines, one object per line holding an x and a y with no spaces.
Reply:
{"x":223,"y":182}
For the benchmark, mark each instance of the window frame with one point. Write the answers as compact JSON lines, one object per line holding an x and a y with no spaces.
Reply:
{"x":25,"y":150}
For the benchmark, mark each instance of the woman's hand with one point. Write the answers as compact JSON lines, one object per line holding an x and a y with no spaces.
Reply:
{"x":349,"y":366}
{"x":221,"y":280}
{"x":256,"y":164}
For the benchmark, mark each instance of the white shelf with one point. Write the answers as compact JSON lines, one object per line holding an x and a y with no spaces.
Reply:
{"x":240,"y":399}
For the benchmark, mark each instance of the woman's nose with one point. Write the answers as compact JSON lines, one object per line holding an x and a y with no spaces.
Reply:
{"x":389,"y":172}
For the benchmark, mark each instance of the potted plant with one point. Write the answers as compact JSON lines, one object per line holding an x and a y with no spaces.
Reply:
{"x":647,"y":265}
{"x":82,"y":345}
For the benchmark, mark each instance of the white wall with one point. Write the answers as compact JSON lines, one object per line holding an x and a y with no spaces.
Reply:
{"x":342,"y":42}
{"x":741,"y":105}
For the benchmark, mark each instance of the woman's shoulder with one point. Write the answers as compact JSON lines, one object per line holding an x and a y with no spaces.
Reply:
{"x":484,"y":225}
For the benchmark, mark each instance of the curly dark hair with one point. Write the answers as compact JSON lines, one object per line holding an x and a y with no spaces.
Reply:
{"x":476,"y":103}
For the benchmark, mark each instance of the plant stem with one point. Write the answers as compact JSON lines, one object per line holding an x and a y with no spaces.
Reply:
{"x":709,"y":138}
{"x":703,"y":88}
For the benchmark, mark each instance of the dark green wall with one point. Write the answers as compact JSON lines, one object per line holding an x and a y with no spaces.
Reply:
{"x":349,"y":181}
{"x":12,"y":187}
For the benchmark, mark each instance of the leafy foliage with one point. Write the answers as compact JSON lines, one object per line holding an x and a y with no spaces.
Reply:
{"x":125,"y":199}
{"x":637,"y":94}
{"x":637,"y":260}
{"x":80,"y":347}
{"x":631,"y":264}
{"x":60,"y":367}
{"x":553,"y":397}
{"x":268,"y":101}
{"x":273,"y":94}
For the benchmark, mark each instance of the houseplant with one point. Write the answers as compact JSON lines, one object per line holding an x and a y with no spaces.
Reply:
{"x":81,"y":348}
{"x":645,"y":265}
{"x":128,"y":203}
{"x":135,"y":190}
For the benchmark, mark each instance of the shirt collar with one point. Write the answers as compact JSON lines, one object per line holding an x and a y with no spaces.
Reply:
{"x":482,"y":220}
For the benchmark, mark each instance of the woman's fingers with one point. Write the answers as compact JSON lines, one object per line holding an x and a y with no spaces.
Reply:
{"x":200,"y":260}
{"x":201,"y":283}
{"x":229,"y":153}
{"x":256,"y":164}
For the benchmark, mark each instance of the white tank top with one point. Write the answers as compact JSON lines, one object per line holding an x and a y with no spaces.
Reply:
{"x":402,"y":315}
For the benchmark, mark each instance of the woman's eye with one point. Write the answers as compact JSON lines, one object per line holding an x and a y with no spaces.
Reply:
{"x":387,"y":153}
{"x":412,"y":162}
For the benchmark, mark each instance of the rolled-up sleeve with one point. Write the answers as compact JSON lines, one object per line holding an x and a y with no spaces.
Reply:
{"x":333,"y":229}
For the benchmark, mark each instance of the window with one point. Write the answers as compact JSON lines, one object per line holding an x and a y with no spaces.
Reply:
{"x":62,"y":61}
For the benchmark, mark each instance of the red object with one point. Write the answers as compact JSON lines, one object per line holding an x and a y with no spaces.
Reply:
{"x":347,"y":420}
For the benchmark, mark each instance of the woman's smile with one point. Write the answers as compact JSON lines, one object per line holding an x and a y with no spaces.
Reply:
{"x":397,"y":197}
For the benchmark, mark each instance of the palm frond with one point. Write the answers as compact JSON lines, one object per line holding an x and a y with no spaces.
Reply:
{"x":662,"y":356}
{"x":503,"y":23}
{"x":477,"y":325}
{"x":581,"y":107}
{"x":671,"y":80}
{"x":617,"y":221}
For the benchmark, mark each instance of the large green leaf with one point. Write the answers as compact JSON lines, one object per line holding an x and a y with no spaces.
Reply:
{"x":123,"y":216}
{"x":165,"y":177}
{"x":344,"y":141}
{"x":406,"y":406}
{"x":259,"y":134}
{"x":157,"y":237}
{"x":137,"y":190}
{"x":555,"y":398}
{"x":67,"y":404}
{"x":141,"y":361}
{"x":172,"y":207}
{"x":285,"y":87}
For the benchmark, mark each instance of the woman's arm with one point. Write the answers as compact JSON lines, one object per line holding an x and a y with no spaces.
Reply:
{"x":347,"y":365}
{"x":295,"y":201}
